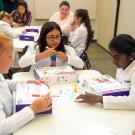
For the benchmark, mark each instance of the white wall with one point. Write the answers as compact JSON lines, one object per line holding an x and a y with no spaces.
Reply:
{"x":126,"y":22}
{"x":106,"y":21}
{"x":31,"y":5}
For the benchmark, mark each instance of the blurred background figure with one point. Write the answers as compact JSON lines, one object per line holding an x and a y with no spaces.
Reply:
{"x":22,"y":15}
{"x":81,"y":32}
{"x":64,"y":17}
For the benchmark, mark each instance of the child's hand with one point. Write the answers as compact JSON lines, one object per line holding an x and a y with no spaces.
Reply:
{"x":41,"y":104}
{"x":90,"y":98}
{"x":133,"y":133}
{"x":72,"y":28}
{"x":49,"y":52}
{"x":38,"y":82}
{"x":62,"y":56}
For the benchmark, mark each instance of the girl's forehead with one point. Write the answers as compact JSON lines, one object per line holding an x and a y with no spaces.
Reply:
{"x":64,"y":7}
{"x":54,"y":31}
{"x":114,"y":52}
{"x":21,"y":7}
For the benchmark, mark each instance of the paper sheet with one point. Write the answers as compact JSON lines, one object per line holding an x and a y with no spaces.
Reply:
{"x":98,"y":129}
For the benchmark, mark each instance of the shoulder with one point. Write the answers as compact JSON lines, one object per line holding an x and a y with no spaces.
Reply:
{"x":28,"y":11}
{"x":71,"y":13}
{"x":14,"y":12}
{"x":133,"y":69}
{"x":33,"y":48}
{"x":69,"y":48}
{"x":56,"y":13}
{"x":4,"y":23}
{"x":1,"y":77}
{"x":81,"y":29}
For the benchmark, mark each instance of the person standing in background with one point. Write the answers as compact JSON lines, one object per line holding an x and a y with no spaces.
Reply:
{"x":64,"y":17}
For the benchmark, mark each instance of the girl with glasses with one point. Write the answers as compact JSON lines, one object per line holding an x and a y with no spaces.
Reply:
{"x":50,"y":47}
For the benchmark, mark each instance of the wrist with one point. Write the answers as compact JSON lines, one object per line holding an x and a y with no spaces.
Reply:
{"x":101,"y":99}
{"x":66,"y":58}
{"x":33,"y":109}
{"x":98,"y":99}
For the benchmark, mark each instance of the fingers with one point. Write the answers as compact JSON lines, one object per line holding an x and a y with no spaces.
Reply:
{"x":49,"y":108}
{"x":48,"y":48}
{"x":80,"y":100}
{"x":38,"y":82}
{"x":80,"y":96}
{"x":48,"y":98}
{"x":50,"y":52}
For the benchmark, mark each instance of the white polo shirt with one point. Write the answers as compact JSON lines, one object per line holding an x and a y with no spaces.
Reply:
{"x":127,"y":78}
{"x":9,"y":122}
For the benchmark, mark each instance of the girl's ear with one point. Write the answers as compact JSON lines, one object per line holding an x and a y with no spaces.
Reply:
{"x":132,"y":56}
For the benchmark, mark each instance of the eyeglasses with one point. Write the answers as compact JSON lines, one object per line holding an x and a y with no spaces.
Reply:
{"x":52,"y":38}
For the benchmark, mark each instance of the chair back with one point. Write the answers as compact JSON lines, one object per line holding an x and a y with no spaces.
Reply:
{"x":84,"y":55}
{"x":65,"y":40}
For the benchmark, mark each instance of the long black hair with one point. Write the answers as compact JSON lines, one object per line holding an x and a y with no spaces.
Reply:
{"x":46,"y":28}
{"x":83,"y":13}
{"x":123,"y":43}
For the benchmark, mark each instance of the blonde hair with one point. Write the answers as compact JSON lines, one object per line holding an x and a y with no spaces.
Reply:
{"x":3,"y":39}
{"x":4,"y":14}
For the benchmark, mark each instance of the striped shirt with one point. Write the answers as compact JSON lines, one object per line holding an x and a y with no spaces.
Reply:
{"x":22,"y":20}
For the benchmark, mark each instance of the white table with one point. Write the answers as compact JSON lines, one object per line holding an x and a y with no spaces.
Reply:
{"x":71,"y":118}
{"x":19,"y":45}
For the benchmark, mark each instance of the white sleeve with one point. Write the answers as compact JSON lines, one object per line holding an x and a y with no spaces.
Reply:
{"x":9,"y":31}
{"x":73,"y":59}
{"x":10,"y":124}
{"x":78,"y":39}
{"x":121,"y":102}
{"x":28,"y":58}
{"x":67,"y":25}
{"x":77,"y":35}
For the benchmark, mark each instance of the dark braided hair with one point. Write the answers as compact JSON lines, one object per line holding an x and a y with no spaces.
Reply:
{"x":83,"y":13}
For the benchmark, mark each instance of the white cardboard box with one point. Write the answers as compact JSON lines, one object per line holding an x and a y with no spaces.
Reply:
{"x":59,"y":74}
{"x":105,"y":85}
{"x":26,"y":93}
